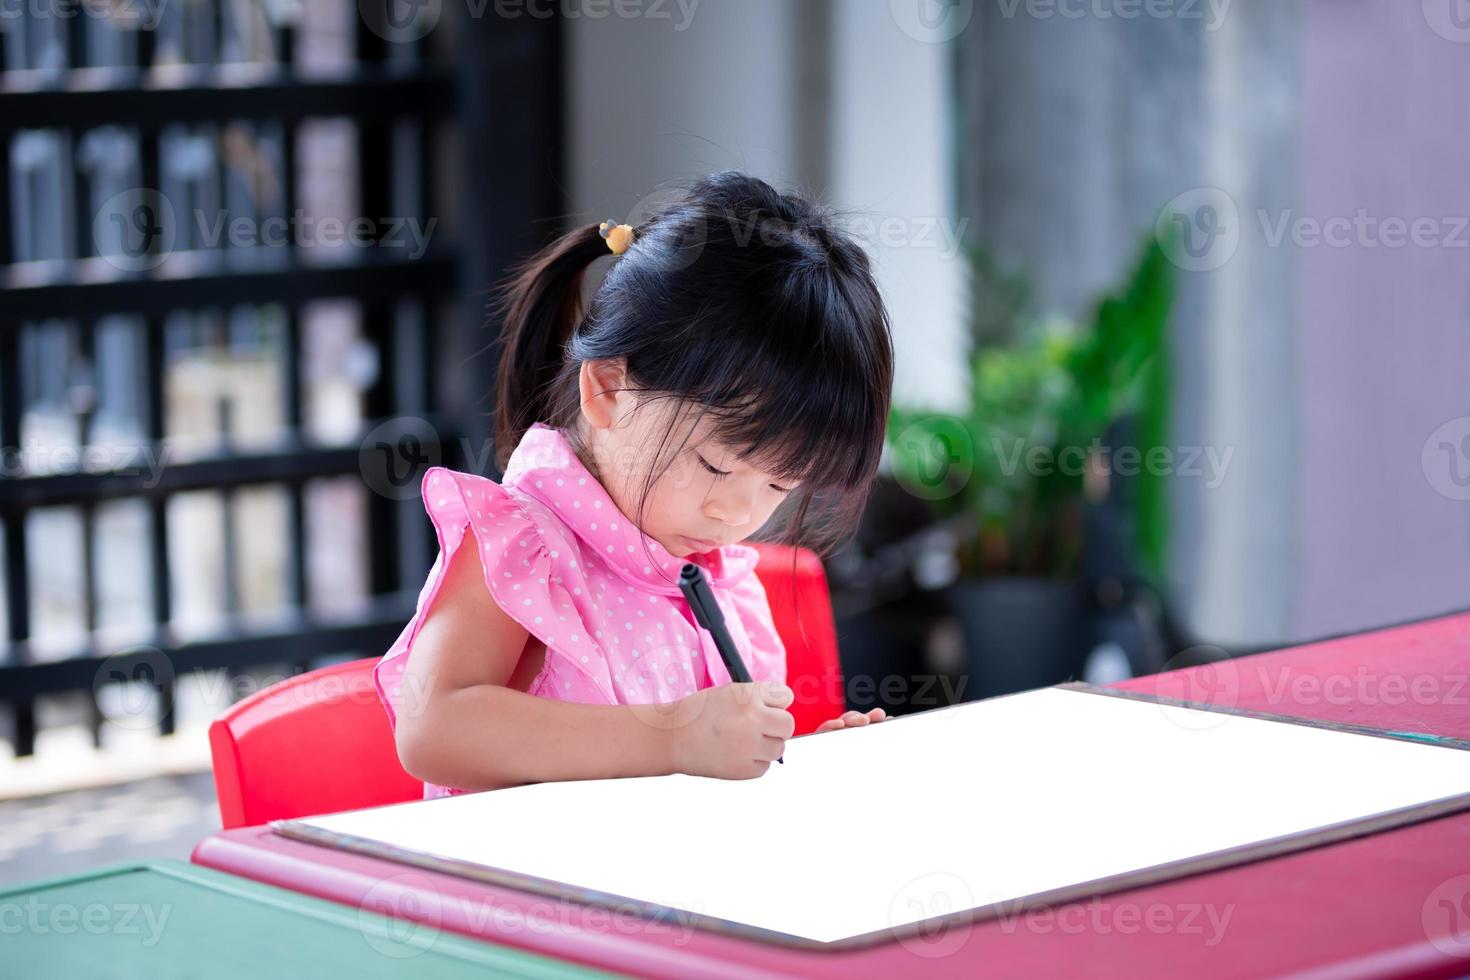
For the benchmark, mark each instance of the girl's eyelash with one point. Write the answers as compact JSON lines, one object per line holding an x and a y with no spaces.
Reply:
{"x":719,"y":473}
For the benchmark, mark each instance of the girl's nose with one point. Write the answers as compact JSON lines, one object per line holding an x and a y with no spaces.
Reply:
{"x":729,"y":509}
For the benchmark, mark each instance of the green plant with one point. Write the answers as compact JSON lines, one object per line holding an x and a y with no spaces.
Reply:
{"x":1044,"y":393}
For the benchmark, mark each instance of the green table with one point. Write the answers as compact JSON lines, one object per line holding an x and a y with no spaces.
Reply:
{"x":162,"y":920}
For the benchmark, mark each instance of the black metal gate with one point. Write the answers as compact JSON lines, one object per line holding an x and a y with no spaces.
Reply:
{"x":90,"y":104}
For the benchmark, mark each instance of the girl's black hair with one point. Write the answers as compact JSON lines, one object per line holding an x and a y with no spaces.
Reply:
{"x":746,"y":303}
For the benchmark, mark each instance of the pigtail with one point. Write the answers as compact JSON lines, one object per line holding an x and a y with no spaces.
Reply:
{"x":539,"y":305}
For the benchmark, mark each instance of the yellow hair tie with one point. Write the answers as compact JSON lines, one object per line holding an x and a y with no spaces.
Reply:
{"x":619,"y":237}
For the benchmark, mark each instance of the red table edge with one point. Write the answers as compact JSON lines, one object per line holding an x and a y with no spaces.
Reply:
{"x":233,"y":852}
{"x":1418,"y":959}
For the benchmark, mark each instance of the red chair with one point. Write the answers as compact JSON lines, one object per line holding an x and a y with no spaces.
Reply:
{"x":320,"y":742}
{"x":801,"y":607}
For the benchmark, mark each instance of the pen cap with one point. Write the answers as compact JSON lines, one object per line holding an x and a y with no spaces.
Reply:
{"x":696,"y":590}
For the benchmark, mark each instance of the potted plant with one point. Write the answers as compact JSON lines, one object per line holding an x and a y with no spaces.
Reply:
{"x":1028,"y":452}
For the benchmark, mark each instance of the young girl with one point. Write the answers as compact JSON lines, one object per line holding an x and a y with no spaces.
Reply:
{"x":735,"y":360}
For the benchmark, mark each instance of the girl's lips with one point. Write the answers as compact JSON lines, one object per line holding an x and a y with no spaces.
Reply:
{"x":701,"y":544}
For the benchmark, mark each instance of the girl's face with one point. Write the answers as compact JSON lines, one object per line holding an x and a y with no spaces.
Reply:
{"x":707,"y":496}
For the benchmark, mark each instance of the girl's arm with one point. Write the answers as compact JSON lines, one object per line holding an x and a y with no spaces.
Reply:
{"x":460,"y":725}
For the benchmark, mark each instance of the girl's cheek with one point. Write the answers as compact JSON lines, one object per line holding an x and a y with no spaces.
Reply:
{"x":680,"y":475}
{"x":688,"y":478}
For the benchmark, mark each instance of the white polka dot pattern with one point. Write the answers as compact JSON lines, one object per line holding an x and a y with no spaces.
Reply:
{"x":574,"y":582}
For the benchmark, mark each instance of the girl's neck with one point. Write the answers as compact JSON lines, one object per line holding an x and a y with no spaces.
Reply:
{"x":579,"y":439}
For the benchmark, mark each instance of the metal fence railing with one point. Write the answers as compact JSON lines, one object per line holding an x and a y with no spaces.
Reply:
{"x":130,"y":155}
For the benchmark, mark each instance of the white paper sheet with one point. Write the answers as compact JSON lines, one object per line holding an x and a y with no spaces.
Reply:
{"x":872,"y":829}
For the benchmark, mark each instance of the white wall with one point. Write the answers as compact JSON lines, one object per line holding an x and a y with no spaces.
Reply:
{"x":832,"y":100}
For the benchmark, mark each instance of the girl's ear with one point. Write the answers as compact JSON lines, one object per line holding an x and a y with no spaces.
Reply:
{"x":603,"y":388}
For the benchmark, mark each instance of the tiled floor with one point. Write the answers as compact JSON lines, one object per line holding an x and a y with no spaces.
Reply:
{"x":160,"y":817}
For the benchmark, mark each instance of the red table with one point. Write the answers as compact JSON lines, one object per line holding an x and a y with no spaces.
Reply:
{"x":1395,"y":903}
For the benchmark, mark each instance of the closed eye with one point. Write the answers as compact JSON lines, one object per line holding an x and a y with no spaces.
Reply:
{"x":705,"y":463}
{"x":721,"y":473}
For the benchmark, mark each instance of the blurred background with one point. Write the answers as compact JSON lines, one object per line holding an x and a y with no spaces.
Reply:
{"x":1179,"y":291}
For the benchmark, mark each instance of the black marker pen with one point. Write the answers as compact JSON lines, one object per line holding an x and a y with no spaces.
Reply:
{"x":707,"y":612}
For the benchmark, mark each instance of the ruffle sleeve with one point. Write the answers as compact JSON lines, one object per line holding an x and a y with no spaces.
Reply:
{"x":522,"y":560}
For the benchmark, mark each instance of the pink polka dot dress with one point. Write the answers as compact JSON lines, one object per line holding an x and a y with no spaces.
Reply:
{"x":565,"y":563}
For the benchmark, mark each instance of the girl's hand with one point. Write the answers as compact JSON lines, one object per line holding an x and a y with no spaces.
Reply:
{"x":732,"y":731}
{"x":851,"y":719}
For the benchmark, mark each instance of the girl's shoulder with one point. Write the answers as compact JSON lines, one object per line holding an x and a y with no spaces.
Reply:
{"x":529,"y":566}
